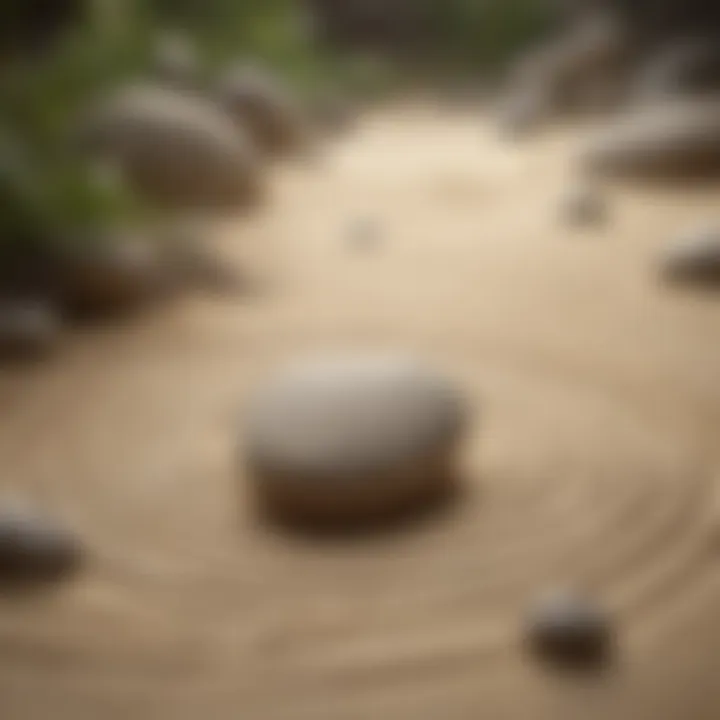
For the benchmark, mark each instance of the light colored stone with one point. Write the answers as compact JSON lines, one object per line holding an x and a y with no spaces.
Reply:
{"x":348,"y":439}
{"x":175,"y":149}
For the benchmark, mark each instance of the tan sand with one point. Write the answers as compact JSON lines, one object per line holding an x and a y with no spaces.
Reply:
{"x":594,"y":460}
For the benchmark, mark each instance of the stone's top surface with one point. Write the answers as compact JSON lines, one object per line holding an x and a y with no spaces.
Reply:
{"x":252,"y":83}
{"x":345,"y":416}
{"x":145,"y":107}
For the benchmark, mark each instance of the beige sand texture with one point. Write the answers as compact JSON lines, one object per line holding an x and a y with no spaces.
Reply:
{"x":594,"y":459}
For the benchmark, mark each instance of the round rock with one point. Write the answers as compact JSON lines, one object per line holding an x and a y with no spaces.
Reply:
{"x":28,"y":328}
{"x":568,"y":629}
{"x":176,"y":150}
{"x":583,"y":206}
{"x":667,"y":142}
{"x":694,"y":258}
{"x":34,"y":548}
{"x":350,"y":440}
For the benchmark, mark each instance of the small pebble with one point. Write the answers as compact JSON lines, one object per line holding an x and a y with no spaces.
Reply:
{"x":583,"y":206}
{"x":34,"y":548}
{"x":695,"y":257}
{"x":364,"y":233}
{"x":567,"y":629}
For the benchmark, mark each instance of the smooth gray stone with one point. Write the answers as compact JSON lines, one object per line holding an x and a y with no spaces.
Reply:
{"x":694,"y":257}
{"x":567,"y":629}
{"x":350,"y":438}
{"x":35,"y":548}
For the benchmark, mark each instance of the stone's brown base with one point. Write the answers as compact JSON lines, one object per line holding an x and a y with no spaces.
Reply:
{"x":352,"y":506}
{"x":112,"y":278}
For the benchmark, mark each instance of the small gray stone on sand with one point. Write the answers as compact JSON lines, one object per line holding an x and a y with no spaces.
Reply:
{"x":34,"y":547}
{"x":365,"y":233}
{"x":28,"y":328}
{"x":583,"y":206}
{"x":567,"y":629}
{"x":694,"y":257}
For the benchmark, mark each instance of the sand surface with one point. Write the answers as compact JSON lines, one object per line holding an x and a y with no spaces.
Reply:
{"x":594,"y":459}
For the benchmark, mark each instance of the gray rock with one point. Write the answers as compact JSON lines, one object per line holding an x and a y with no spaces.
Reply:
{"x":667,"y":142}
{"x":348,"y":440}
{"x":176,"y":150}
{"x":35,"y":548}
{"x":694,"y":258}
{"x":29,"y":328}
{"x":364,"y":233}
{"x":569,"y":630}
{"x":583,"y":206}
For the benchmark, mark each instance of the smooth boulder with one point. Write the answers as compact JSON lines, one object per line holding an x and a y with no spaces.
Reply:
{"x":347,"y":440}
{"x":664,"y":142}
{"x":175,"y":149}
